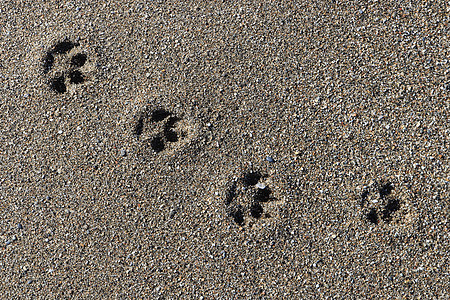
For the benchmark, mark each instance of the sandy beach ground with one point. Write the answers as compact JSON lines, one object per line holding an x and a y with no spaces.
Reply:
{"x":224,"y":149}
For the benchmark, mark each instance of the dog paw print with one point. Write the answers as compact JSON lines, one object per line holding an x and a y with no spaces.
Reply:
{"x":65,"y":65}
{"x":247,"y":198}
{"x":161,"y":130}
{"x":380,"y":203}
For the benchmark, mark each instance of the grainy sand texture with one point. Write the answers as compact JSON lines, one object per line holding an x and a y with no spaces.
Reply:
{"x":224,"y":149}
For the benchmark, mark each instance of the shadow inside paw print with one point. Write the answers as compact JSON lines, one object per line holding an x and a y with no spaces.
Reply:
{"x":246,"y":196}
{"x":158,"y":129}
{"x":379,"y":203}
{"x":64,"y":65}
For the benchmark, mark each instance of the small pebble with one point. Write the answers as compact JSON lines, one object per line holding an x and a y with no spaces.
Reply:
{"x":14,"y":238}
{"x":270,"y":159}
{"x":123,"y":152}
{"x":19,"y":226}
{"x":260,"y":185}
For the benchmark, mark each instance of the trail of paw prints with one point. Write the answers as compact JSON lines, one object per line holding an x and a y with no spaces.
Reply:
{"x":161,"y":131}
{"x":383,"y":203}
{"x":248,"y":198}
{"x":65,"y":65}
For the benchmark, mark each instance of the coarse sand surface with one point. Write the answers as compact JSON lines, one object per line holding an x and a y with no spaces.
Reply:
{"x":224,"y":149}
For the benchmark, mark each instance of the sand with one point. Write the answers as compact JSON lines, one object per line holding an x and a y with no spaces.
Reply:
{"x":224,"y":149}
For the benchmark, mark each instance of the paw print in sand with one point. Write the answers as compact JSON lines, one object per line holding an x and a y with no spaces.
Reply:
{"x":384,"y":203}
{"x":247,"y":198}
{"x":65,"y":65}
{"x":161,"y":130}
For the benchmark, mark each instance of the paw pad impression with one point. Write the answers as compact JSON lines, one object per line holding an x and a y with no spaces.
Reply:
{"x":247,"y":197}
{"x":380,"y":203}
{"x":160,"y":130}
{"x":65,"y":66}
